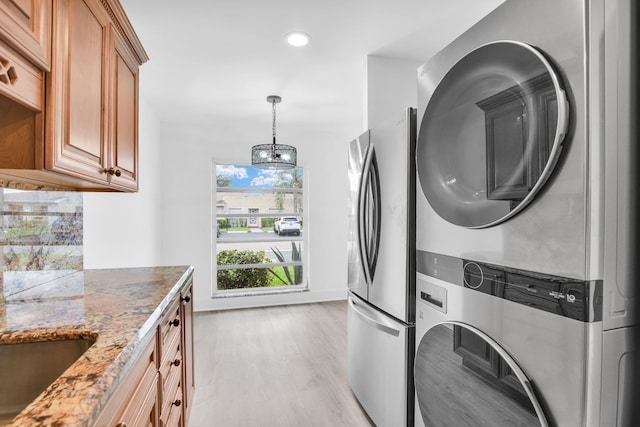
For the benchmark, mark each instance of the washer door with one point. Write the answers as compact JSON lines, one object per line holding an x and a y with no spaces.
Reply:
{"x":463,"y":378}
{"x":491,"y":134}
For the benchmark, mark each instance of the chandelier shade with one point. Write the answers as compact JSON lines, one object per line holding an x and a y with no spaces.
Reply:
{"x":274,"y":156}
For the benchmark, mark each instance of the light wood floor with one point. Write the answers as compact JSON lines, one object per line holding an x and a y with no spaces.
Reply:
{"x":274,"y":366}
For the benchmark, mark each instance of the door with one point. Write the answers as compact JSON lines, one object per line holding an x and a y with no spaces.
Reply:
{"x":491,"y":134}
{"x":379,"y":368}
{"x":391,"y":178}
{"x":123,"y":136}
{"x":382,"y":216}
{"x":463,"y":378}
{"x":356,"y":279}
{"x":76,"y":128}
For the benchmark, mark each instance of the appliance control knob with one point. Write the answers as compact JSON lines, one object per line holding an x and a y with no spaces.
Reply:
{"x":473,"y":271}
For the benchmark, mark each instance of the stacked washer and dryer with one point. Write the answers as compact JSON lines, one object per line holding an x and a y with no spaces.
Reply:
{"x":525,"y":219}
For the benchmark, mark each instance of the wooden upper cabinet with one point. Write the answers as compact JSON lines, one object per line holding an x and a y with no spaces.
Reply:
{"x":91,"y":129}
{"x":69,"y":114}
{"x":25,"y":25}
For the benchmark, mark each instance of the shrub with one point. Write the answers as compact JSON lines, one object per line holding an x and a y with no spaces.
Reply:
{"x":296,"y":255}
{"x":267,"y":222}
{"x":240,"y":278}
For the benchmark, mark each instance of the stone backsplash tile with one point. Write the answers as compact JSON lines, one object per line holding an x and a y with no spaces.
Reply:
{"x":40,"y":238}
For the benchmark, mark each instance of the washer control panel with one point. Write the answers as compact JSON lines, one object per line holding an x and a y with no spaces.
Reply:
{"x":567,"y":297}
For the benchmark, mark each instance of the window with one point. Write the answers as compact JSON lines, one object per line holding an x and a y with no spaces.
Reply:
{"x":259,"y":229}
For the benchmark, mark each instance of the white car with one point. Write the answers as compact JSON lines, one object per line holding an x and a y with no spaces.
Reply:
{"x":287,"y":225}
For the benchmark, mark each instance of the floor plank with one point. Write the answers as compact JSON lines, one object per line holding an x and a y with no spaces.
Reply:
{"x":274,"y":366}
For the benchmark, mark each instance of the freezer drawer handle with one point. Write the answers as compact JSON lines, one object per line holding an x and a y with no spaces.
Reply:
{"x":431,"y":300}
{"x":373,"y":322}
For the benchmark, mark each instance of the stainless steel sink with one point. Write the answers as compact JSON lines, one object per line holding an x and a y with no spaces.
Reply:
{"x":26,"y":369}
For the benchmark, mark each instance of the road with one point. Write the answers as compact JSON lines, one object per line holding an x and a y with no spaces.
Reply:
{"x":256,"y":235}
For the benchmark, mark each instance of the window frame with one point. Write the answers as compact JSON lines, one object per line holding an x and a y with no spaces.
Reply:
{"x":216,"y":215}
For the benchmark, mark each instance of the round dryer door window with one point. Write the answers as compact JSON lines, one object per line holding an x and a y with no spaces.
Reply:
{"x":491,"y":134}
{"x":462,"y":378}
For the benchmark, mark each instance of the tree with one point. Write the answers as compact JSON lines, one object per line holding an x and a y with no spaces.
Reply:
{"x":289,"y":179}
{"x":223,"y":181}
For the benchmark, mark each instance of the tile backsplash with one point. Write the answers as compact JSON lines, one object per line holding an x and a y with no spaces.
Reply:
{"x":40,"y":237}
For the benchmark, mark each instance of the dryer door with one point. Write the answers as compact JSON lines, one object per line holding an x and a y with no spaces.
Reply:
{"x":463,"y":378}
{"x":491,"y":134}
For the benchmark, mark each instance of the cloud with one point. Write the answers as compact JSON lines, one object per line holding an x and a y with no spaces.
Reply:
{"x":266,"y":177}
{"x":231,"y":171}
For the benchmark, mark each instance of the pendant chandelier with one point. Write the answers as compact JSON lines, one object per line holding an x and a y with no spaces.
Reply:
{"x":273,"y":156}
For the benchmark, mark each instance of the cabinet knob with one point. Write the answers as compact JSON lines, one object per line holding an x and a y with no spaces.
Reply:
{"x":121,"y":424}
{"x":187,"y":298}
{"x":177,"y":402}
{"x":113,"y":171}
{"x":175,"y":322}
{"x":176,"y":362}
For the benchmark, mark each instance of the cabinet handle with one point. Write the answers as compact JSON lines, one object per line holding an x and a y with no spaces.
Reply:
{"x":174,"y":322}
{"x":121,"y":424}
{"x":113,"y":171}
{"x":187,"y":299}
{"x":176,"y":362}
{"x":177,"y":402}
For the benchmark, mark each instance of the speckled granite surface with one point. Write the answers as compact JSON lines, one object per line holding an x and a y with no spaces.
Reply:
{"x":119,"y":308}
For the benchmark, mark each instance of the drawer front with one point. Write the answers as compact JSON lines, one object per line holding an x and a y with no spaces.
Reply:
{"x":171,"y":363}
{"x":174,"y":418}
{"x":171,"y":398}
{"x":170,"y":326}
{"x":19,"y":80}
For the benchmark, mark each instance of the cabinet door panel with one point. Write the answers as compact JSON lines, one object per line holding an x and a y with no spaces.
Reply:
{"x":26,"y":25}
{"x":77,"y":86}
{"x":124,"y":117}
{"x":86,"y":38}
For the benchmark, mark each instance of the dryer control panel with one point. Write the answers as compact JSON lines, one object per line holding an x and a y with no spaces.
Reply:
{"x":567,"y":297}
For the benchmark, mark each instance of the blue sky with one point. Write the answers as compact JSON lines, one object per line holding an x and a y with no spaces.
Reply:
{"x":248,"y":176}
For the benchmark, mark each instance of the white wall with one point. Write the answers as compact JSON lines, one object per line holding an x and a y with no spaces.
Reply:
{"x":122,"y":229}
{"x":391,"y":87}
{"x":169,"y":221}
{"x":188,"y":153}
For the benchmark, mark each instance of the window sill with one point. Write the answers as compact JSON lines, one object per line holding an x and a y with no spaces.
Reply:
{"x":251,"y":292}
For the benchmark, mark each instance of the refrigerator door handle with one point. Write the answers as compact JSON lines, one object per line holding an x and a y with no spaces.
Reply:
{"x":373,"y":322}
{"x":369,"y":215}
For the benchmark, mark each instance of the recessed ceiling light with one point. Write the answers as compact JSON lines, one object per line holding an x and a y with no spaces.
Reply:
{"x":298,"y":39}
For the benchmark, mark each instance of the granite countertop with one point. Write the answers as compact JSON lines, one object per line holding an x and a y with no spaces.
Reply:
{"x":119,"y":308}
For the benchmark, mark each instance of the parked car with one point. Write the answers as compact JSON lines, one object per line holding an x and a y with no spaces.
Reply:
{"x":287,"y":225}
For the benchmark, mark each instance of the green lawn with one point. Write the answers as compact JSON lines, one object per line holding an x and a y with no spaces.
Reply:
{"x":280,"y":272}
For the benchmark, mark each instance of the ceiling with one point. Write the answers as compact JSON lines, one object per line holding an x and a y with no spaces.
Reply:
{"x":216,"y":61}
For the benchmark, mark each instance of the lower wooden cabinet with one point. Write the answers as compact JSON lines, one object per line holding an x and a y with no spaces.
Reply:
{"x":159,"y":388}
{"x":187,"y":345}
{"x":135,"y":402}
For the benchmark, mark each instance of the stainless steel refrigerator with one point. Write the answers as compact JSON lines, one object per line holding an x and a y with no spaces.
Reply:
{"x":381,"y":274}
